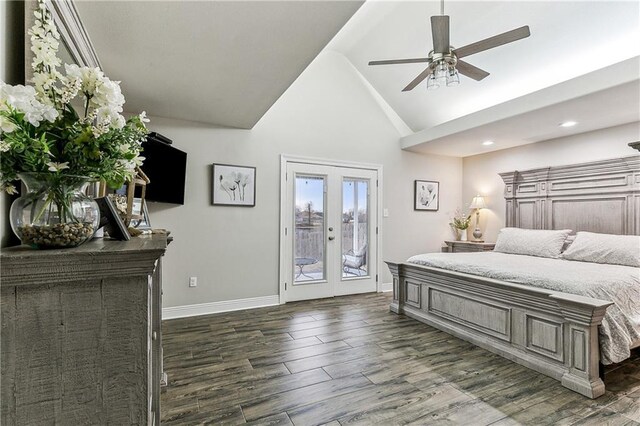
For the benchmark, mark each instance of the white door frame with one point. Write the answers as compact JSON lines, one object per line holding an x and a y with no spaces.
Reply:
{"x":284,"y":160}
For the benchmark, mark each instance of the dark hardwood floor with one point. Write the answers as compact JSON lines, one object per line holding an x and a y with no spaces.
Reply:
{"x":348,"y":360}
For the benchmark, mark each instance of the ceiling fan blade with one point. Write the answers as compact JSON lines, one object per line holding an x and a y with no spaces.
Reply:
{"x":471,"y":71}
{"x":440,"y":33}
{"x":399,"y":61}
{"x":495,"y":41}
{"x":424,"y":74}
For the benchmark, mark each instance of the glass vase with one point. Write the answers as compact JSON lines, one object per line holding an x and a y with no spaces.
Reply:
{"x":55,"y":212}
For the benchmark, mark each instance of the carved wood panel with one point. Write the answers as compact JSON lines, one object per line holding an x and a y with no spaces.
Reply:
{"x":601,"y":196}
{"x":486,"y":317}
{"x":579,"y":349}
{"x":545,"y":337}
{"x":395,"y":289}
{"x":607,"y":215}
{"x":412,"y":294}
{"x":527,"y":214}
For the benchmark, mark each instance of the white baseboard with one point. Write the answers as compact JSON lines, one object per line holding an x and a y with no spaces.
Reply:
{"x":385,"y":287}
{"x":217,"y":307}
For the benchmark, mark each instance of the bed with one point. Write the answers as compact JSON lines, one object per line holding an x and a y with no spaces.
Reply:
{"x":537,"y":319}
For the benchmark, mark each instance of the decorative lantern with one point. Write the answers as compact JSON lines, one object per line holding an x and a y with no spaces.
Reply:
{"x":139,"y":180}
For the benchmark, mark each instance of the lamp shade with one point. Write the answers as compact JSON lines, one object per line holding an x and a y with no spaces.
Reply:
{"x":478,"y":203}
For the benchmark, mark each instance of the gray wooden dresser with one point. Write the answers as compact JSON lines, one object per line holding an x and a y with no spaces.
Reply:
{"x":465,"y":246}
{"x":81,"y":338}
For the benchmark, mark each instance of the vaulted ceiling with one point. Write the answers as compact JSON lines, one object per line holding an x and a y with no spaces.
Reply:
{"x":219,"y":62}
{"x":226,"y":63}
{"x":568,"y":39}
{"x":581,"y":62}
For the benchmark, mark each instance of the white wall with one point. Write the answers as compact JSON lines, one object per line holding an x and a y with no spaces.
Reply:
{"x":480,"y":172}
{"x":326,"y":113}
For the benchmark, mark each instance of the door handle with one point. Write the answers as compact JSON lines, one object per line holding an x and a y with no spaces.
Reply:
{"x":332,"y":238}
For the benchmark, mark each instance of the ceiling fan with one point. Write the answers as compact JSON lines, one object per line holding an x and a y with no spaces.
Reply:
{"x":444,"y":60}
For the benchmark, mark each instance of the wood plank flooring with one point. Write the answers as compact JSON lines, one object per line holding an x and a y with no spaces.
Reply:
{"x":349,"y":361}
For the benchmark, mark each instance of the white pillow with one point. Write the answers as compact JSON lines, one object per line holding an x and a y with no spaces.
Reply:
{"x":531,"y":242}
{"x":605,"y":248}
{"x":570,"y":239}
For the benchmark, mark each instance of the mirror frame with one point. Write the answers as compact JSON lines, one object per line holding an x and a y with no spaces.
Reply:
{"x":72,"y":33}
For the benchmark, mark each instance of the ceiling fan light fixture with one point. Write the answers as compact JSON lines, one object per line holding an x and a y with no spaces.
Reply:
{"x":453,"y":79}
{"x":432,"y":83}
{"x":441,"y":73}
{"x":444,"y":58}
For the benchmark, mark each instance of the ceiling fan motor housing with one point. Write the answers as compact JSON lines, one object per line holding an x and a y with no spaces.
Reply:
{"x":449,"y":58}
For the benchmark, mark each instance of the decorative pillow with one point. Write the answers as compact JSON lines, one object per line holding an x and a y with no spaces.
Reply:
{"x":531,"y":242}
{"x":605,"y":248}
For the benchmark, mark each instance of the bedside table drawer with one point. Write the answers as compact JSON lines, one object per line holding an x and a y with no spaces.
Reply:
{"x":467,"y":246}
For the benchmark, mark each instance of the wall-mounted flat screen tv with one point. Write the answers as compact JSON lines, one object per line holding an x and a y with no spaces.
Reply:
{"x":166,"y":168}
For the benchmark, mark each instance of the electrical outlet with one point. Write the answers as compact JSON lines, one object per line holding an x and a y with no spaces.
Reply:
{"x":193,"y":281}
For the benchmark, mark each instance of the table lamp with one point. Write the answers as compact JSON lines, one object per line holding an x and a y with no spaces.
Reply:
{"x":477,"y":203}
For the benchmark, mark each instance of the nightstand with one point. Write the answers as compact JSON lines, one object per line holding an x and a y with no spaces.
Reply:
{"x":465,"y":246}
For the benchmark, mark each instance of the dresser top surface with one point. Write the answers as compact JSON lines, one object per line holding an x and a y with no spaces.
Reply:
{"x":93,"y":247}
{"x":93,"y":261}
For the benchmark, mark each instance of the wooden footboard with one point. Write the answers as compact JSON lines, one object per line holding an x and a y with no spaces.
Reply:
{"x":553,"y":333}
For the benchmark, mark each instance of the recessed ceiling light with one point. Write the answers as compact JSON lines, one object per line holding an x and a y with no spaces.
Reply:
{"x":568,"y":124}
{"x":487,"y":143}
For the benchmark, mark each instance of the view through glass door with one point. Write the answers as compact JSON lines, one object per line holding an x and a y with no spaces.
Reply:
{"x":331,"y":231}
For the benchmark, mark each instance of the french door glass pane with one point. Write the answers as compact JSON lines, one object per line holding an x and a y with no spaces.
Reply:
{"x":309,"y":238}
{"x":355,"y":227}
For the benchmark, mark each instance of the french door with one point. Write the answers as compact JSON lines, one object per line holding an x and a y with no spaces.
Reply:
{"x":330,"y":230}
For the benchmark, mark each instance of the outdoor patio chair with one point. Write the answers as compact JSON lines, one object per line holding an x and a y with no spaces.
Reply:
{"x":355,"y":261}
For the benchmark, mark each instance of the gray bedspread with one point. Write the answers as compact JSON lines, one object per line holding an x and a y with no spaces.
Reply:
{"x":620,"y":330}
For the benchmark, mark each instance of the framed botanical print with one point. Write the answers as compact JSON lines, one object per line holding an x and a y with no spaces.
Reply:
{"x":426,"y":195}
{"x":233,"y":185}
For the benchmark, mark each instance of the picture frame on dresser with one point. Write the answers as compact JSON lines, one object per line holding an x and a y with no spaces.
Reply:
{"x":111,"y":221}
{"x":140,"y":209}
{"x":426,"y":195}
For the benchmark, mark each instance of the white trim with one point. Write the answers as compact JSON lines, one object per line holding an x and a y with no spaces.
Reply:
{"x":72,"y":32}
{"x":216,"y":307}
{"x":380,"y":223}
{"x":284,"y":160}
{"x":385,"y":287}
{"x":283,"y":224}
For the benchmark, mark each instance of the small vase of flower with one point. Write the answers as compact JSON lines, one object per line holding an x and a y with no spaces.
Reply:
{"x":57,"y":135}
{"x":460,"y":223}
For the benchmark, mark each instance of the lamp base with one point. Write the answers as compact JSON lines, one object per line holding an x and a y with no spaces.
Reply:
{"x":477,"y":235}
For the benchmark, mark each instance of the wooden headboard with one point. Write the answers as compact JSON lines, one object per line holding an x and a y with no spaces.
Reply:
{"x":601,"y":196}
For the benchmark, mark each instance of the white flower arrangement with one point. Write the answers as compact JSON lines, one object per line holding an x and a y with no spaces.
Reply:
{"x":42,"y":132}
